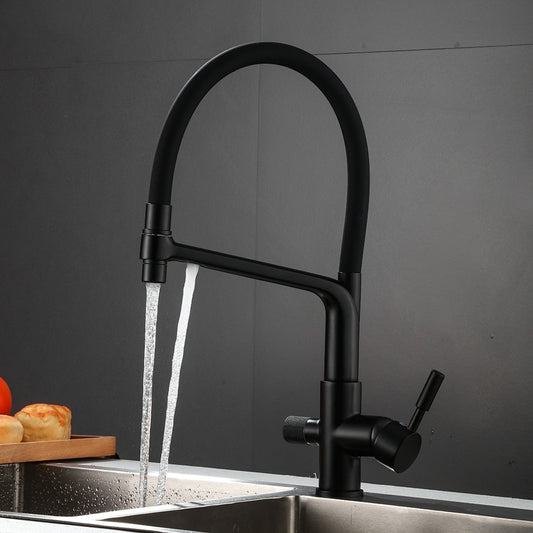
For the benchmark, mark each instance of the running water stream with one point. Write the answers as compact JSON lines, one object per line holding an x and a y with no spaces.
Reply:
{"x":173,"y":388}
{"x":150,"y":326}
{"x":152,"y":299}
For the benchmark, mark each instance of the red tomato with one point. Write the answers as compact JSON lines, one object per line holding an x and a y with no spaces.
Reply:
{"x":5,"y":398}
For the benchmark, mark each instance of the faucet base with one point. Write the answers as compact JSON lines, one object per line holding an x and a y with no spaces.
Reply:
{"x":340,"y":495}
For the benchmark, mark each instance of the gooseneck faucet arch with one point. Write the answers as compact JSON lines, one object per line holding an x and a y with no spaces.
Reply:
{"x":329,"y":84}
{"x":342,"y":433}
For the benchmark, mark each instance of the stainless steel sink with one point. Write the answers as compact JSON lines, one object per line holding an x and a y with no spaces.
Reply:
{"x":73,"y":489}
{"x":306,"y":514}
{"x":104,"y":494}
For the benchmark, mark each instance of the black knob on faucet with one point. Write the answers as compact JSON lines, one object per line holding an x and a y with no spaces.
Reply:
{"x":302,"y":430}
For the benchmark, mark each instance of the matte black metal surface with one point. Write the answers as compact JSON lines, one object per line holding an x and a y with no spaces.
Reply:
{"x":340,"y":400}
{"x":332,"y":88}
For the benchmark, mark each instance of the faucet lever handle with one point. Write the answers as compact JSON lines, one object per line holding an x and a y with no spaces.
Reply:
{"x":426,"y":398}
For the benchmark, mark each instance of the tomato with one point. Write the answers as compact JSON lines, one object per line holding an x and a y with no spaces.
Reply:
{"x":5,"y":398}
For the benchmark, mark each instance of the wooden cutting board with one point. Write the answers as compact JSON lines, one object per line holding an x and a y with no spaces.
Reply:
{"x":78,"y":446}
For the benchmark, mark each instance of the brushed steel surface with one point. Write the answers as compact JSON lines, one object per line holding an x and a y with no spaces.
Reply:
{"x":65,"y":489}
{"x":73,"y":494}
{"x":306,"y":514}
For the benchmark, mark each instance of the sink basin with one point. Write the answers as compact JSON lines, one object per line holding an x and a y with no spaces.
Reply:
{"x":307,"y":514}
{"x":104,"y":494}
{"x":74,"y":489}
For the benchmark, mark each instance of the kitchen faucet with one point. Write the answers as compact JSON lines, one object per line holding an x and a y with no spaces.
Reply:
{"x":342,"y":432}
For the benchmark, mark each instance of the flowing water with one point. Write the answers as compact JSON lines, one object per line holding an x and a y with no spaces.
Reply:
{"x":173,"y":388}
{"x":152,"y":300}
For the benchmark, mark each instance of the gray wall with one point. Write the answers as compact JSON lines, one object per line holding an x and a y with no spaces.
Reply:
{"x":445,"y":93}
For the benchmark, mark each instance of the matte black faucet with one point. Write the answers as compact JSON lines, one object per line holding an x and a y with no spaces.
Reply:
{"x":342,"y":433}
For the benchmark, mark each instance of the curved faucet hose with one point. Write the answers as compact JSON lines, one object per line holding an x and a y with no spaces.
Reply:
{"x":329,"y":84}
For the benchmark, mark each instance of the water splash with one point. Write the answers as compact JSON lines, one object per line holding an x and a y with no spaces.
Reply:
{"x":152,"y":300}
{"x":173,"y":389}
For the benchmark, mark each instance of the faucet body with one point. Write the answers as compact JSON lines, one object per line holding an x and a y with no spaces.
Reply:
{"x":342,"y":433}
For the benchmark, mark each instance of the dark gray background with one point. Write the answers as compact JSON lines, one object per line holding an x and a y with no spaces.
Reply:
{"x":445,"y":92}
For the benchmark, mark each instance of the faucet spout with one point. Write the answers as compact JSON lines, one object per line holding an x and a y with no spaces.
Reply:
{"x":341,"y":353}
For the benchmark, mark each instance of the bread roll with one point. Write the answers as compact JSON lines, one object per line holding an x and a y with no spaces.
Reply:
{"x":11,"y":429}
{"x":42,"y":421}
